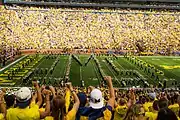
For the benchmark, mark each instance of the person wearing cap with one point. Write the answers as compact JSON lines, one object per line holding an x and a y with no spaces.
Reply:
{"x":26,"y":108}
{"x":96,"y":108}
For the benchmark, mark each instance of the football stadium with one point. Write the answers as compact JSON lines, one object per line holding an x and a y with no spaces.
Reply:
{"x":90,"y":60}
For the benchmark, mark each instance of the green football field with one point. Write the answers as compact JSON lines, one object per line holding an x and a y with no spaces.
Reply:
{"x":52,"y":69}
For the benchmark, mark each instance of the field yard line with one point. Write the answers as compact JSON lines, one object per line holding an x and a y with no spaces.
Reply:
{"x":80,"y":73}
{"x":51,"y":66}
{"x":61,"y":68}
{"x":112,"y":73}
{"x":65,"y":67}
{"x":12,"y":63}
{"x":96,"y":73}
{"x":120,"y":65}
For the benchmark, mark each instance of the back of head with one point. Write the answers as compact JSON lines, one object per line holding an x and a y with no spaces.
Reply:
{"x":23,"y":97}
{"x":162,"y":103}
{"x":58,"y":102}
{"x":9,"y":100}
{"x":136,"y":111}
{"x":96,"y":99}
{"x":122,"y":101}
{"x":166,"y":114}
{"x":58,"y":106}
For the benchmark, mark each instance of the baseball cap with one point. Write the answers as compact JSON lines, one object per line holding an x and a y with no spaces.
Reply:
{"x":23,"y":94}
{"x":152,"y":95}
{"x":96,"y":99}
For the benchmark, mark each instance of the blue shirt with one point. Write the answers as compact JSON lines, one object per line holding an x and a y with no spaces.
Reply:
{"x":92,"y":114}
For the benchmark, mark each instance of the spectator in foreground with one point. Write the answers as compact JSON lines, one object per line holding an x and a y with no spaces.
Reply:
{"x":166,"y":114}
{"x":26,"y":108}
{"x":97,"y":109}
{"x":58,"y":105}
{"x":153,"y":114}
{"x":135,"y":112}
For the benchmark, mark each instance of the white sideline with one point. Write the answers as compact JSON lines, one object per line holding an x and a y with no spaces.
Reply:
{"x":12,"y":63}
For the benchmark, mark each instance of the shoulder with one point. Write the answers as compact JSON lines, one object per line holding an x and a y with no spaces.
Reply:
{"x":107,"y":112}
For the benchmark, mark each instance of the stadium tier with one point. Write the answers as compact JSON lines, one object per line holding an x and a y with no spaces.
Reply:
{"x":38,"y":28}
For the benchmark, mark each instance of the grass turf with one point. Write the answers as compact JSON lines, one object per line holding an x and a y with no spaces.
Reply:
{"x":90,"y":75}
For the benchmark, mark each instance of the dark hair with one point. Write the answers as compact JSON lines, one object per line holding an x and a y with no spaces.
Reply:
{"x":23,"y":104}
{"x":155,"y":105}
{"x":9,"y":100}
{"x":166,"y":114}
{"x":162,"y":103}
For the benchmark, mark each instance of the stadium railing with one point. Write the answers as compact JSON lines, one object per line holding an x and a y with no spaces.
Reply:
{"x":133,"y":4}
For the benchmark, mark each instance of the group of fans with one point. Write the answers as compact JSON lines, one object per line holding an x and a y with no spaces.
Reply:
{"x":40,"y":28}
{"x":74,"y":103}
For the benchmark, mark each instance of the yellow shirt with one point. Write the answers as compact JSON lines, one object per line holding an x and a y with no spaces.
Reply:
{"x":28,"y":113}
{"x":151,"y":115}
{"x":1,"y":116}
{"x":148,"y":106}
{"x":174,"y":108}
{"x":120,"y":112}
{"x":70,"y":116}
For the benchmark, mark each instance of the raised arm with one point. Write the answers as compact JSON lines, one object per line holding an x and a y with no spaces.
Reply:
{"x":38,"y":91}
{"x":111,"y":100}
{"x":77,"y":102}
{"x":47,"y":108}
{"x":53,"y":91}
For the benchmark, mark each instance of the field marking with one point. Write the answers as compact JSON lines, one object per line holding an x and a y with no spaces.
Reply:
{"x":12,"y":63}
{"x":96,"y":73}
{"x":116,"y":79}
{"x":155,"y":59}
{"x":50,"y":68}
{"x":61,"y":69}
{"x":176,"y":59}
{"x":120,"y":65}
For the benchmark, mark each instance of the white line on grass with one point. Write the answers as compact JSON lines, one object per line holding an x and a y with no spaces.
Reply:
{"x":116,"y":79}
{"x":13,"y":63}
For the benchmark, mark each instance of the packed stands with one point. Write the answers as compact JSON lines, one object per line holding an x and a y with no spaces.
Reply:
{"x":37,"y":28}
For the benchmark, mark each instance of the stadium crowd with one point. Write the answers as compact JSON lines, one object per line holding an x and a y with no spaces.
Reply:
{"x":74,"y":103}
{"x":37,"y":28}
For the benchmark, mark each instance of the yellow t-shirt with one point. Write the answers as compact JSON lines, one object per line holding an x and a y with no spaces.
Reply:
{"x":148,"y":106}
{"x":70,"y":116}
{"x":28,"y":113}
{"x":151,"y":115}
{"x":120,"y":112}
{"x":174,"y":108}
{"x":1,"y":116}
